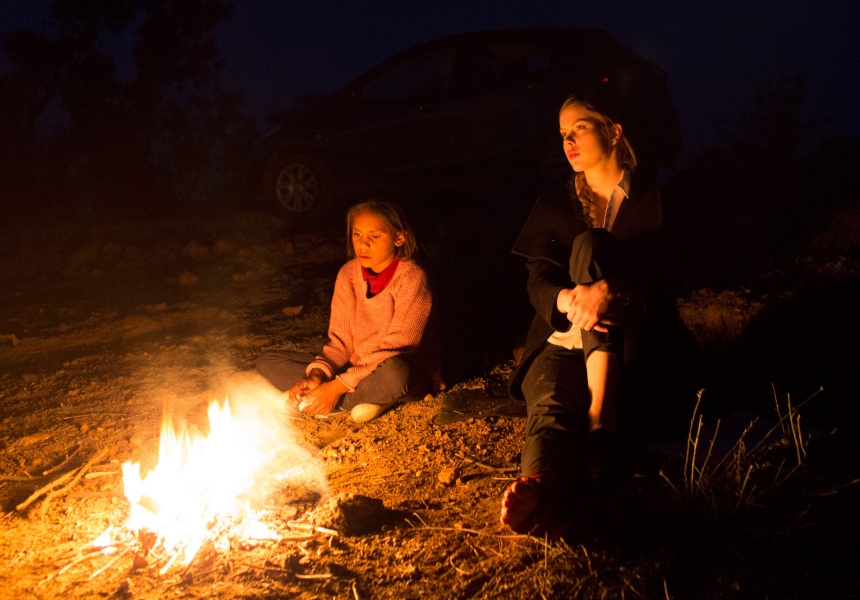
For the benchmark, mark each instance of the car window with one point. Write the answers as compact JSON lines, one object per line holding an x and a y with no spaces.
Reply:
{"x":419,"y":77}
{"x":521,"y":63}
{"x":502,"y":65}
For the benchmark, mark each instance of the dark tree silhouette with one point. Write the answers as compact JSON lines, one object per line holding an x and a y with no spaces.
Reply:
{"x":762,"y":190}
{"x":80,"y":139}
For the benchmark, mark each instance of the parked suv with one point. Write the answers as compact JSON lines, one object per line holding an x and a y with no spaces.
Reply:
{"x":468,"y":113}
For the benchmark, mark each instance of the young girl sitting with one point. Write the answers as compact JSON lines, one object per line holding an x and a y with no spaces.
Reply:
{"x":380,"y":346}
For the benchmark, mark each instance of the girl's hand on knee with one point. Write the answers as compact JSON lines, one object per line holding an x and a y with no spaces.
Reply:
{"x":589,"y":306}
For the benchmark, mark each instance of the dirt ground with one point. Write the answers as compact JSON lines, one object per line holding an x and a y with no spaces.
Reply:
{"x":101,"y":327}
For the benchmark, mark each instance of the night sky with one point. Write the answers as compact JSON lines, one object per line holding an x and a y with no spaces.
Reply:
{"x":716,"y":55}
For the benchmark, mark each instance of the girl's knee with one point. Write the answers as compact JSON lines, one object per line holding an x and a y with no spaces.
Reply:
{"x":395,"y":371}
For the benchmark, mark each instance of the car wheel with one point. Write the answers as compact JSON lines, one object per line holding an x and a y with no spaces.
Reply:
{"x":297,"y":184}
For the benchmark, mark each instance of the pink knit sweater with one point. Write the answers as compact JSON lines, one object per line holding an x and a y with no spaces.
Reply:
{"x":366,"y":331}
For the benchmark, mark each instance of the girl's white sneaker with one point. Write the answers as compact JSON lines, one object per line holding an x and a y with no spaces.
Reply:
{"x":362,"y":413}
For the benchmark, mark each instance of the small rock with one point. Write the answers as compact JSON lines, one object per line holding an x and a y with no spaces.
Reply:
{"x":34,"y":438}
{"x":447,"y":476}
{"x":352,"y":514}
{"x":292,"y":311}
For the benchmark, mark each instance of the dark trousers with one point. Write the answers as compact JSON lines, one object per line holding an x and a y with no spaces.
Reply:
{"x":555,"y":386}
{"x":557,"y":402}
{"x":390,"y":382}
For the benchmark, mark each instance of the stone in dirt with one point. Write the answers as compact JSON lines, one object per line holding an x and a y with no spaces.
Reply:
{"x":448,"y":476}
{"x":352,"y":514}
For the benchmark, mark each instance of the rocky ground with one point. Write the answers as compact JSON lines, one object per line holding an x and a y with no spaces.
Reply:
{"x":101,"y":327}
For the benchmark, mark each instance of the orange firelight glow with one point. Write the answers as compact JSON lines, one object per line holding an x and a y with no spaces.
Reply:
{"x":202,"y":487}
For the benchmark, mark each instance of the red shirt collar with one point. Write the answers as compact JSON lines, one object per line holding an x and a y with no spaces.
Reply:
{"x":378,"y":281}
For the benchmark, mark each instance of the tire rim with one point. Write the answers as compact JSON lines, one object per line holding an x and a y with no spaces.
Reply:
{"x":297,"y":187}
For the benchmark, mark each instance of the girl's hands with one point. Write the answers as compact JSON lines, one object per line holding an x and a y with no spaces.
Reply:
{"x":299,"y":392}
{"x":586,"y":306}
{"x":324,"y":397}
{"x":315,"y":394}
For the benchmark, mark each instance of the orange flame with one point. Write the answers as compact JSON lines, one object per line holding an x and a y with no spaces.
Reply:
{"x":197,"y":491}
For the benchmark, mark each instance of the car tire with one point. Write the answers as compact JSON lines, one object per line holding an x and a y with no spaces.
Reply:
{"x":298,"y":185}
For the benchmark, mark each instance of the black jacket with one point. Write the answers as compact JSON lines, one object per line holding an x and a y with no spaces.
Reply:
{"x":546,"y":241}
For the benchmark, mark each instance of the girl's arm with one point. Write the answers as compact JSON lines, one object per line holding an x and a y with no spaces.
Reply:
{"x":546,"y":281}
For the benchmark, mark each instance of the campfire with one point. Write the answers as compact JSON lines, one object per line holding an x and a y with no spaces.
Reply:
{"x":205,"y":494}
